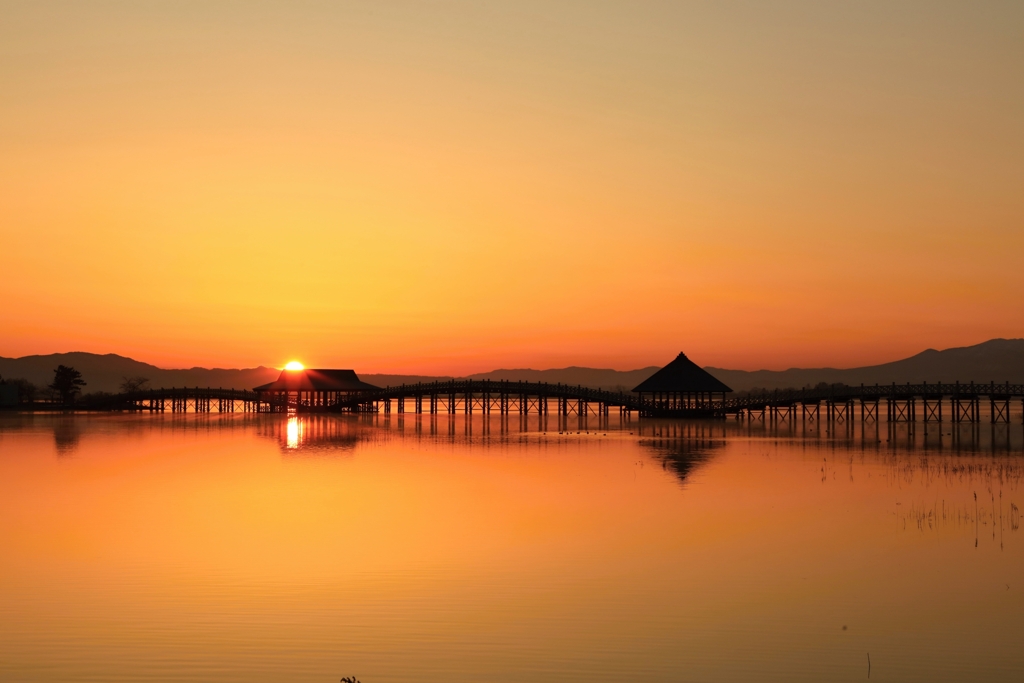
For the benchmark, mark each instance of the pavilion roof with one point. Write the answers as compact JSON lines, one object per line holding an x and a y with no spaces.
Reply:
{"x":682,"y":375}
{"x":317,"y":379}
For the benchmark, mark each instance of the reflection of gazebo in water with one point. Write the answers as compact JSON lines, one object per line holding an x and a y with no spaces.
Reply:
{"x":684,"y":456}
{"x":682,"y":389}
{"x":311,"y":389}
{"x":682,"y":447}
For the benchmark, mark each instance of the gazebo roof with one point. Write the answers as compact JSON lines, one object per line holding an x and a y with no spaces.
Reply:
{"x":317,"y":380}
{"x":684,"y":376}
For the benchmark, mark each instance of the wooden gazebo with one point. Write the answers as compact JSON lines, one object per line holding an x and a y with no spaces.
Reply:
{"x":311,"y":389}
{"x":682,"y":389}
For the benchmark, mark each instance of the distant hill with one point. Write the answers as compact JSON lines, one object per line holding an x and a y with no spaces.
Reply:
{"x":997,"y":360}
{"x":106,"y":372}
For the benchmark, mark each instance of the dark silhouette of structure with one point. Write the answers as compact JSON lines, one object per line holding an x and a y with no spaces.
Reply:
{"x":682,"y":389}
{"x":904,"y":402}
{"x":679,"y":390}
{"x":179,"y":400}
{"x":487,"y":396}
{"x":312,"y":389}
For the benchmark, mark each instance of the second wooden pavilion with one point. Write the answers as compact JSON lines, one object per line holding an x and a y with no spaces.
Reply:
{"x":682,"y":389}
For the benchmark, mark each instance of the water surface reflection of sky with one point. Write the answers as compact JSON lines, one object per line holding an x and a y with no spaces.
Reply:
{"x":437,"y":548}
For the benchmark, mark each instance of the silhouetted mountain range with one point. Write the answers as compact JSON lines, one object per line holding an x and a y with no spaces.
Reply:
{"x":998,"y":360}
{"x":106,"y":372}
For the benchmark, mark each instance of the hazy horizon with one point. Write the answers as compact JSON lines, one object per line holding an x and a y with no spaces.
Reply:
{"x":523,"y":369}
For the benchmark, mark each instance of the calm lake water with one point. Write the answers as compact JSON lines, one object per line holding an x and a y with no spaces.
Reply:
{"x":266,"y":548}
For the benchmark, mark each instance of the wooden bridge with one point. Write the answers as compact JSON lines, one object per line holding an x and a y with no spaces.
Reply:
{"x":179,"y":400}
{"x":903,"y":402}
{"x":485,"y":396}
{"x":434,"y":397}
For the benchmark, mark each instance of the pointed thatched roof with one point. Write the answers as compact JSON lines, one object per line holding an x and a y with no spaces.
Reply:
{"x":682,"y":375}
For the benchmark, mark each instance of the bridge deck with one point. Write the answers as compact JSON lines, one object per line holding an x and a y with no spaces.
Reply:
{"x":537,"y":397}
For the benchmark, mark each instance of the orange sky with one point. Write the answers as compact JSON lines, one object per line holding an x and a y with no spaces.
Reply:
{"x":453,"y":187}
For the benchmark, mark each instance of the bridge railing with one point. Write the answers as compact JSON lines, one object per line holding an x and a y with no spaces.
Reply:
{"x":183,"y":393}
{"x":495,"y":389}
{"x":786,"y":397}
{"x":873,"y":393}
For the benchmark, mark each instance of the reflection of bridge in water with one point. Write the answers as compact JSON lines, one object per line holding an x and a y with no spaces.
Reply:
{"x":680,"y":448}
{"x":315,"y":429}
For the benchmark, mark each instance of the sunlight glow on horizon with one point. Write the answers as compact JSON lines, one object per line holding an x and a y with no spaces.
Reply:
{"x":294,"y":366}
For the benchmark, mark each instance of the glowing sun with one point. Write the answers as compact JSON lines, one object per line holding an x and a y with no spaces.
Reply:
{"x":295,"y":365}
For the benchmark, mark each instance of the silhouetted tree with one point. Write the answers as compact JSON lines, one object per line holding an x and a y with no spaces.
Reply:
{"x":131,"y":384}
{"x":67,"y":382}
{"x":26,"y":390}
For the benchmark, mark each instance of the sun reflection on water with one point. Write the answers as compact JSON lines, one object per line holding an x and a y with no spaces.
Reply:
{"x":294,"y":432}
